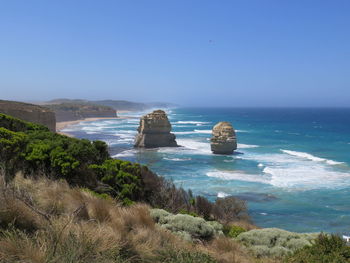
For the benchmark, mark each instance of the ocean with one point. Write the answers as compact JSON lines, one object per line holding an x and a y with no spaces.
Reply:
{"x":292,"y":165}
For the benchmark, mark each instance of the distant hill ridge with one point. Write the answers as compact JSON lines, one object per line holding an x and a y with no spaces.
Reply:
{"x":119,"y":105}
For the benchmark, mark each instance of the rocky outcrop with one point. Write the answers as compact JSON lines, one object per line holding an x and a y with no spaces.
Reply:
{"x":29,"y":112}
{"x":223,"y":140}
{"x":154,"y":131}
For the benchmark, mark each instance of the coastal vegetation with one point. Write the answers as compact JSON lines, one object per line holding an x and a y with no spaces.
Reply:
{"x":64,"y":199}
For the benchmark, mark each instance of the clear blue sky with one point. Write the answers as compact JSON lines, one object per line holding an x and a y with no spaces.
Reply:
{"x":191,"y":52}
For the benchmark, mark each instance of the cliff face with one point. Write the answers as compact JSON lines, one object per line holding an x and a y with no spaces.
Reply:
{"x":29,"y":112}
{"x":75,"y":111}
{"x":154,"y":131}
{"x":223,"y":140}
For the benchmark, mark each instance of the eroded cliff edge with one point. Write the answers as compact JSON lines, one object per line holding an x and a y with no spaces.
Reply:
{"x":29,"y":112}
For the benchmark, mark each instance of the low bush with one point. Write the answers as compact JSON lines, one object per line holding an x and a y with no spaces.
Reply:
{"x":233,"y":231}
{"x":196,"y":227}
{"x":325,"y":249}
{"x":274,"y":242}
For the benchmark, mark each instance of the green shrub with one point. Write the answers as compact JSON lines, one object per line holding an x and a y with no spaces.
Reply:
{"x":11,"y":145}
{"x":274,"y":242}
{"x":196,"y":227}
{"x":17,"y":125}
{"x":325,"y":249}
{"x":186,"y":212}
{"x":218,"y":228}
{"x":159,"y":215}
{"x":122,"y":176}
{"x":233,"y":231}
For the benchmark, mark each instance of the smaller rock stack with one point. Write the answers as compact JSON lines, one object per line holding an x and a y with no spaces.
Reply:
{"x":154,"y":131}
{"x":223,"y":140}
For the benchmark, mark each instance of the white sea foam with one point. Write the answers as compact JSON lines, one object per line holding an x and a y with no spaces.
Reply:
{"x":311,"y":157}
{"x":296,"y":177}
{"x":192,"y":122}
{"x":177,"y":159}
{"x":92,"y":128}
{"x":246,"y":146}
{"x":92,"y":132}
{"x":240,"y":176}
{"x":203,"y":131}
{"x":194,"y":132}
{"x":293,"y":172}
{"x":195,"y":146}
{"x":222,"y":195}
{"x":303,"y":177}
{"x":126,"y":153}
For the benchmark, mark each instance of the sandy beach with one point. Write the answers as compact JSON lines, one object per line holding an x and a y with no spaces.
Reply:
{"x":63,"y":124}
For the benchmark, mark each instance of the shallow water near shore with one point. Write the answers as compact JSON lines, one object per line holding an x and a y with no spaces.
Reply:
{"x":292,"y":165}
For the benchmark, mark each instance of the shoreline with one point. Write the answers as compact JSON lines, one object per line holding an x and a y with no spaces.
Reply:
{"x":61,"y":125}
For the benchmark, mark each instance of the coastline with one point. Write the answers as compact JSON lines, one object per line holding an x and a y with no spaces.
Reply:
{"x":64,"y":124}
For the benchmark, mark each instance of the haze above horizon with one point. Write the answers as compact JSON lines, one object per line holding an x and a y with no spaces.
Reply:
{"x":192,"y":53}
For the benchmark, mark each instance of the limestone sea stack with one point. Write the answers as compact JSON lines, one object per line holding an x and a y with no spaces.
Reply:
{"x":154,"y":131}
{"x":223,"y":140}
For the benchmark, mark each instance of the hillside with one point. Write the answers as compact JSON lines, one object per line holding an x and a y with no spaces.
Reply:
{"x":29,"y":112}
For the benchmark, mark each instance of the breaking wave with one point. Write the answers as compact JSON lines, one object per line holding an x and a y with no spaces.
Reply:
{"x":311,"y":157}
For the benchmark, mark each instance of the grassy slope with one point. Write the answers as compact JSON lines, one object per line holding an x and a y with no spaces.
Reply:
{"x":48,"y":221}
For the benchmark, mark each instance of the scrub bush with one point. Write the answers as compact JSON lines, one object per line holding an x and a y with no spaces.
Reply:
{"x":233,"y":231}
{"x":325,"y":249}
{"x":196,"y":227}
{"x":274,"y":242}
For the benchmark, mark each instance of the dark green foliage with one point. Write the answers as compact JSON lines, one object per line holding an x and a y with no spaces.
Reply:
{"x":233,"y":231}
{"x":35,"y":150}
{"x":122,"y":176}
{"x":18,"y":125}
{"x":325,"y":249}
{"x":60,"y":156}
{"x":11,"y":145}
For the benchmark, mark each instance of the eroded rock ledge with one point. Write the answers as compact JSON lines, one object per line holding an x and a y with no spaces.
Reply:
{"x":154,"y":131}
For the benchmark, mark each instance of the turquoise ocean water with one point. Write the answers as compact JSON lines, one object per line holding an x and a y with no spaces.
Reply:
{"x":292,"y":165}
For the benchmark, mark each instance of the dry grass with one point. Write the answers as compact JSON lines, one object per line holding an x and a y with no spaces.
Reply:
{"x":47,"y":221}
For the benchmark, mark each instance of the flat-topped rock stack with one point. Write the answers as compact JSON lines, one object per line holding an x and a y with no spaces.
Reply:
{"x":154,"y":131}
{"x":223,"y":140}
